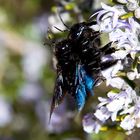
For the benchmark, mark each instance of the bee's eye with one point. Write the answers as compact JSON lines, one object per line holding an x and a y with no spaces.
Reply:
{"x":74,"y":36}
{"x":76,"y":31}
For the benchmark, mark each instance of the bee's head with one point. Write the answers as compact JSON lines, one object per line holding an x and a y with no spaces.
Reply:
{"x":76,"y":31}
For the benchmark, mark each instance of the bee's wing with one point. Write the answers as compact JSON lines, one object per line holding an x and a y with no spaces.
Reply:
{"x":84,"y":83}
{"x":88,"y":80}
{"x":80,"y":94}
{"x":58,"y":93}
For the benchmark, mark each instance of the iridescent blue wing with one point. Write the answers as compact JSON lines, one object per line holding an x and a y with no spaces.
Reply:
{"x":88,"y":80}
{"x":80,"y":93}
{"x":84,"y":83}
{"x":58,"y":93}
{"x":81,"y":96}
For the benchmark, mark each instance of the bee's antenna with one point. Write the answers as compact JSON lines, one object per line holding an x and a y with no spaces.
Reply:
{"x":62,"y":20}
{"x":59,"y":29}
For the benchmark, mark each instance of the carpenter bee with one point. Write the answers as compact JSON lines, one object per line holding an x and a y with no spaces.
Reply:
{"x":79,"y":63}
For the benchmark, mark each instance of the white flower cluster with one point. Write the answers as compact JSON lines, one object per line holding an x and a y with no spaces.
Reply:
{"x":117,"y":104}
{"x":120,"y":22}
{"x":125,"y":103}
{"x":126,"y":32}
{"x":91,"y":124}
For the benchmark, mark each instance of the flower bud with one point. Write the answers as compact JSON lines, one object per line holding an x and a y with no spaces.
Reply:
{"x":137,"y":13}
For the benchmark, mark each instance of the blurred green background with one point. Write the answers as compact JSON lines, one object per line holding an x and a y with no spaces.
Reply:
{"x":27,"y":75}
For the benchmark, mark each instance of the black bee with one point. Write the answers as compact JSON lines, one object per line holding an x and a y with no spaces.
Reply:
{"x":80,"y":63}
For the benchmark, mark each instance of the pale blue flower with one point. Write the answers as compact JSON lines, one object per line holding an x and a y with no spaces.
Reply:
{"x":128,"y":123}
{"x":90,"y":124}
{"x":102,"y":113}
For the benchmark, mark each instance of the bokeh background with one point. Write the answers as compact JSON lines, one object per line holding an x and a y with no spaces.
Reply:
{"x":27,"y":74}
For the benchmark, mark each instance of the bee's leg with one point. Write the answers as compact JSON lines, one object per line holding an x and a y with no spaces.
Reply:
{"x":107,"y":49}
{"x":107,"y":64}
{"x":91,"y":23}
{"x":98,"y":80}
